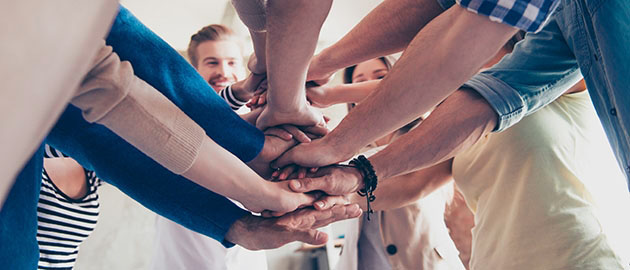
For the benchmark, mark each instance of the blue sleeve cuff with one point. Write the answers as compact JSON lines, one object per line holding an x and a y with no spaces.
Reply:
{"x":504,"y":100}
{"x":233,"y":217}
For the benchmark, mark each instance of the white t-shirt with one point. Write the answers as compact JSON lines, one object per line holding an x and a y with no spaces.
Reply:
{"x":547,"y":193}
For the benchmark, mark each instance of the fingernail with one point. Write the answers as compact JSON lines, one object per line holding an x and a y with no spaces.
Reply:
{"x":274,"y":174}
{"x":296,"y":184}
{"x":320,"y":204}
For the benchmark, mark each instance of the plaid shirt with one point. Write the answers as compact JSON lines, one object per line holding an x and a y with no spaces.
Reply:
{"x":527,"y":15}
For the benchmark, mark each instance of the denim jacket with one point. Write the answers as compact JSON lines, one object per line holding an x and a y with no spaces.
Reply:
{"x":582,"y":38}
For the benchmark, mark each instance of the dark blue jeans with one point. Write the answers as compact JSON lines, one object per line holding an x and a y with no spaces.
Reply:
{"x":120,"y":164}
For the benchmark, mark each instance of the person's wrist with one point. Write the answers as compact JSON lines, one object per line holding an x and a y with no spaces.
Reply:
{"x":379,"y":168}
{"x":240,"y":230}
{"x":297,"y":106}
{"x":320,"y":67}
{"x":332,"y":94}
{"x":240,"y":93}
{"x":338,"y":147}
{"x":267,"y":192}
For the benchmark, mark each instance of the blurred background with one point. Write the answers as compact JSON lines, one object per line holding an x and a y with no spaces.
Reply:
{"x":123,"y":238}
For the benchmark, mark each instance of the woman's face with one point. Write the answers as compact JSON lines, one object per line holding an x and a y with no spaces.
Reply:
{"x":369,"y":70}
{"x":220,"y":63}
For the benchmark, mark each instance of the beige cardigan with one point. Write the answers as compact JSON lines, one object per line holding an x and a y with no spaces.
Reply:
{"x":417,"y":231}
{"x":111,"y":95}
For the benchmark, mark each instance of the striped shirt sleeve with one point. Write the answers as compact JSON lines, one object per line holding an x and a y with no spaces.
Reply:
{"x":227,"y":95}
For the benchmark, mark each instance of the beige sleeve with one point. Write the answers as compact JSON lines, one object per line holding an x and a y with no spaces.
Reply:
{"x":113,"y":96}
{"x":252,"y":13}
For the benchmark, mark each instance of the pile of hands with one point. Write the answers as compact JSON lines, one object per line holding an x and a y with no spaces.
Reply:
{"x":305,"y":188}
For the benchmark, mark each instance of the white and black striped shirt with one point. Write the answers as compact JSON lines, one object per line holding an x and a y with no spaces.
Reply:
{"x":228,"y":96}
{"x":62,"y":222}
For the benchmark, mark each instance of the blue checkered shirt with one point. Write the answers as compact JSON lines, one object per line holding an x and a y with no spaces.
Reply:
{"x":527,"y":15}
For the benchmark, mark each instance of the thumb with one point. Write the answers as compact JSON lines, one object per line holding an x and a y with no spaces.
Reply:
{"x":285,"y":159}
{"x":308,"y":184}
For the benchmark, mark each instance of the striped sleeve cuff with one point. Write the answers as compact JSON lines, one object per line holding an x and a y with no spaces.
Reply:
{"x":227,"y":95}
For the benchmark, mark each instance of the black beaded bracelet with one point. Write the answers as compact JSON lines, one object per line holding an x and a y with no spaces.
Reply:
{"x":369,"y":180}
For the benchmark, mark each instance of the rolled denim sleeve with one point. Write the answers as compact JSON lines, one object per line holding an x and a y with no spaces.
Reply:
{"x":539,"y":70}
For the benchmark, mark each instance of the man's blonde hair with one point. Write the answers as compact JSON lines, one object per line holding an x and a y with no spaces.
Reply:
{"x":211,"y":32}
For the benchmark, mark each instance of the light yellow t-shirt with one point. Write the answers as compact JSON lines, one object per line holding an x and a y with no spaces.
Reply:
{"x":547,"y":193}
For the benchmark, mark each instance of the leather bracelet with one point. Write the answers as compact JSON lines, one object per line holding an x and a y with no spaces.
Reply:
{"x":370,"y":180}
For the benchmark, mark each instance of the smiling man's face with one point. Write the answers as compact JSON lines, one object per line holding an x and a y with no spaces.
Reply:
{"x":220,"y":63}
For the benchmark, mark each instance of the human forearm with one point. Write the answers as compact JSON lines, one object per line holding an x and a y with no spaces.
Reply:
{"x":407,"y":91}
{"x":459,"y":122}
{"x":258,"y":62}
{"x":387,"y":29}
{"x":132,"y":172}
{"x":324,"y":96}
{"x":218,"y":170}
{"x":255,"y":233}
{"x":402,"y":190}
{"x":352,"y":93}
{"x":251,"y":117}
{"x":176,"y":79}
{"x":291,"y":40}
{"x":113,"y":96}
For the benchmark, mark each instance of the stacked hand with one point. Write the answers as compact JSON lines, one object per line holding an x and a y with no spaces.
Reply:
{"x":298,"y":206}
{"x":256,"y":233}
{"x":276,"y":230}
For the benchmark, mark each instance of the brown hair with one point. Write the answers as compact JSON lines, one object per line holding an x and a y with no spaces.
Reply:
{"x":348,"y":72}
{"x":211,"y":32}
{"x":389,"y":62}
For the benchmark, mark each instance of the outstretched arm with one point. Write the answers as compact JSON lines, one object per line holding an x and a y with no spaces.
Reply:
{"x":293,"y":28}
{"x":176,"y":79}
{"x":459,"y":122}
{"x":449,"y":50}
{"x":324,"y":96}
{"x":254,"y":233}
{"x":111,"y":95}
{"x":385,"y":30}
{"x":395,"y":192}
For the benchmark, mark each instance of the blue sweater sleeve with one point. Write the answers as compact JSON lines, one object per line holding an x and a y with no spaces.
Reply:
{"x":122,"y":165}
{"x":117,"y":162}
{"x":158,"y":64}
